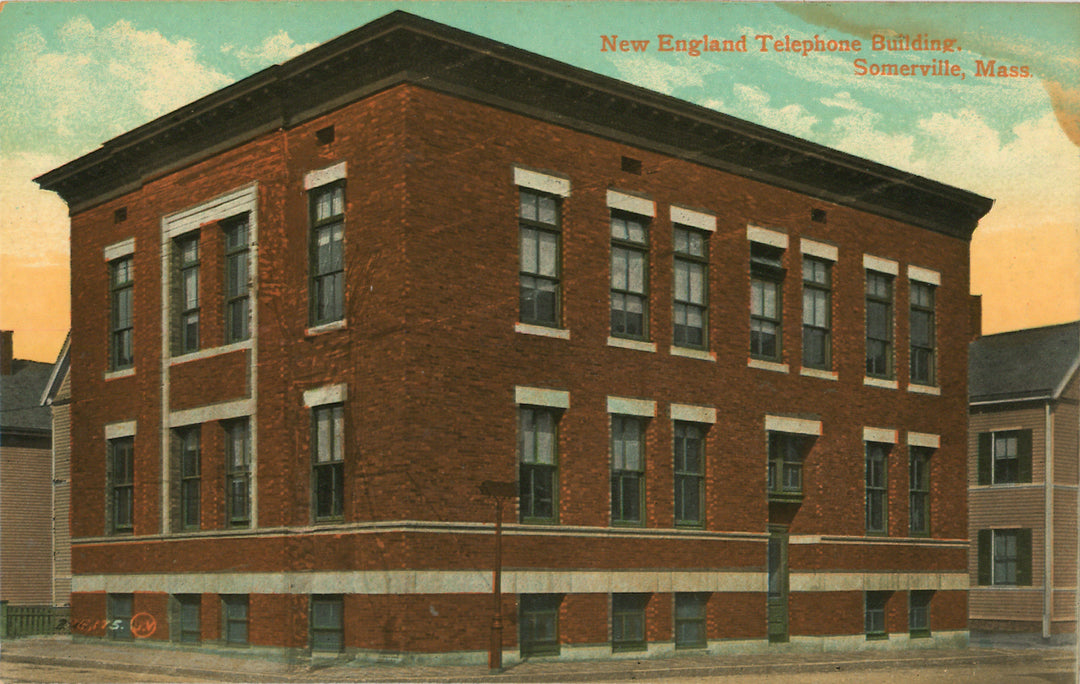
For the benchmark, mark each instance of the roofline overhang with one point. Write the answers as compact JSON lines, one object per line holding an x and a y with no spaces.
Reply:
{"x":403,"y":48}
{"x":59,"y":369}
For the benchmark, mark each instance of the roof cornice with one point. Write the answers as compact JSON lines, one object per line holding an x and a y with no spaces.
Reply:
{"x":403,"y":48}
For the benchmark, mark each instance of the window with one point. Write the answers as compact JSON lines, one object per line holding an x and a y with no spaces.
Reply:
{"x":327,"y":253}
{"x":627,"y":469}
{"x":328,"y":452}
{"x":118,"y":611}
{"x":689,"y":472}
{"x":187,"y":445}
{"x":122,"y":484}
{"x":877,"y":493}
{"x":879,"y":325}
{"x":538,"y":445}
{"x":690,"y":311}
{"x":327,"y":623}
{"x":234,"y":616}
{"x":690,"y":620}
{"x":538,"y":624}
{"x":1005,"y":457}
{"x":237,"y":265}
{"x":785,"y":467}
{"x":186,"y":255}
{"x":919,"y":497}
{"x":1004,"y":557}
{"x":766,"y":283}
{"x":875,"y":614}
{"x":628,"y":622}
{"x":922,"y":334}
{"x":538,"y":221}
{"x":122,"y":325}
{"x":817,"y":313}
{"x":186,"y":618}
{"x":919,"y":613}
{"x":629,"y":275}
{"x":238,"y":472}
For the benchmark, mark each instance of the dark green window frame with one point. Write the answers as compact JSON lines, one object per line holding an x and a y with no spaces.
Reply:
{"x":186,"y":622}
{"x":540,"y":242}
{"x":327,"y":623}
{"x":1004,"y":557}
{"x":766,"y":302}
{"x":238,"y":472}
{"x":328,"y":461}
{"x":628,"y":469}
{"x":122,"y":313}
{"x":118,"y":611}
{"x":186,"y":256}
{"x":689,"y":449}
{"x":879,"y":325}
{"x":237,"y":277}
{"x":121,"y":485}
{"x":629,"y":275}
{"x":234,"y":618}
{"x":628,"y":622}
{"x":784,"y":471}
{"x":690,"y":309}
{"x":919,"y":613}
{"x":1004,"y":457}
{"x":877,"y":488}
{"x":876,"y":605}
{"x":538,"y":458}
{"x":189,"y":470}
{"x":327,"y":211}
{"x":817,"y":313}
{"x":538,"y":624}
{"x":923,"y":358}
{"x":690,"y":620}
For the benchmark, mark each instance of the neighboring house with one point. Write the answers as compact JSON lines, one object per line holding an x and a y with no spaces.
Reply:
{"x":57,"y":396}
{"x":25,"y":481}
{"x":1023,"y":442}
{"x":315,"y":311}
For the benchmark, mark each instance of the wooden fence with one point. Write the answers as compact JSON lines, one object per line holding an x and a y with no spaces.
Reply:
{"x":24,"y":621}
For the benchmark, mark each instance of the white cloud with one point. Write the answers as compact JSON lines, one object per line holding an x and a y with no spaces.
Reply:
{"x":95,"y":83}
{"x":273,"y":50}
{"x":752,"y":103}
{"x":34,"y":223}
{"x":659,"y":75}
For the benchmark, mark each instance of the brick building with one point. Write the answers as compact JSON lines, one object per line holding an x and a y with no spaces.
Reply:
{"x":1024,"y":447}
{"x":315,"y":310}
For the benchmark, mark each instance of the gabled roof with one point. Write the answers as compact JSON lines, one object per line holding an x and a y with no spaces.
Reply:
{"x":59,"y":372}
{"x":1029,"y":364}
{"x":403,"y":48}
{"x":20,"y":398}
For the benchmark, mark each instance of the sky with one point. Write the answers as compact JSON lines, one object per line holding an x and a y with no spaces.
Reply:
{"x":75,"y":74}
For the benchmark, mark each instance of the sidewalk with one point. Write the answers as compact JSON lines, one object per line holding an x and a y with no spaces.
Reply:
{"x":60,"y":650}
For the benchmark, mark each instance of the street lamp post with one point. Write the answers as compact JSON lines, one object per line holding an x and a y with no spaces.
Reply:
{"x":498,"y":491}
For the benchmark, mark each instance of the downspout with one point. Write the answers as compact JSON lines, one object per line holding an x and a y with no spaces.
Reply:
{"x":1048,"y":522}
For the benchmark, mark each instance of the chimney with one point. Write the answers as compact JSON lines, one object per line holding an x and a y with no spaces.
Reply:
{"x":6,"y":351}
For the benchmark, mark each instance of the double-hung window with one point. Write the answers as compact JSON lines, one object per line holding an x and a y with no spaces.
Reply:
{"x":328,"y":460}
{"x":690,"y":620}
{"x":234,"y":616}
{"x":629,"y":275}
{"x":122,"y":314}
{"x":186,"y":620}
{"x":919,"y":494}
{"x":238,"y":472}
{"x":690,"y":310}
{"x":689,"y":473}
{"x":875,"y":603}
{"x":327,"y":623}
{"x":1004,"y":557}
{"x":627,"y":469}
{"x":877,"y":493}
{"x":817,"y":313}
{"x":189,"y":471}
{"x":1005,"y":457}
{"x":879,"y":325}
{"x":327,"y":268}
{"x":538,"y":445}
{"x":785,"y":466}
{"x":538,"y":624}
{"x":237,"y":265}
{"x":186,"y":255}
{"x":121,"y":484}
{"x":118,"y":611}
{"x":919,"y":613}
{"x":539,"y":235}
{"x":923,"y":334}
{"x":628,"y":621}
{"x":766,"y":308}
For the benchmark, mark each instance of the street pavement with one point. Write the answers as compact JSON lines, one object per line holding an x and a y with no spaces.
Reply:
{"x":51,"y":657}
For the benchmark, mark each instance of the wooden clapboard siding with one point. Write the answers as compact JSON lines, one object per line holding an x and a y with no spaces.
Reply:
{"x":1031,"y":417}
{"x":1007,"y":603}
{"x":25,"y":507}
{"x":1067,"y":434}
{"x":61,"y":416}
